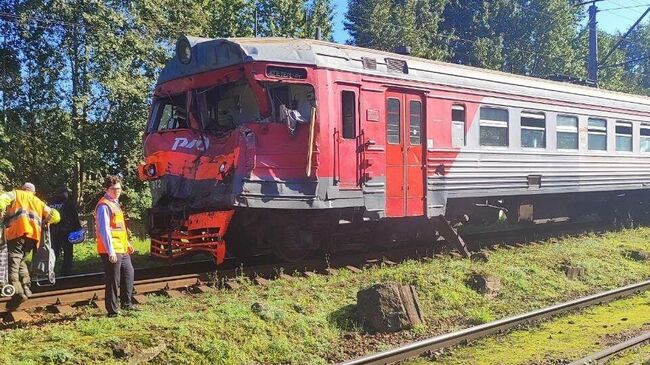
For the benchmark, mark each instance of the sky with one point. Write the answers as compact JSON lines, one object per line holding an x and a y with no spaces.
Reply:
{"x":610,"y":19}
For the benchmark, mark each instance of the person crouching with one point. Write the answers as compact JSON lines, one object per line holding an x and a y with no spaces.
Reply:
{"x":114,"y":248}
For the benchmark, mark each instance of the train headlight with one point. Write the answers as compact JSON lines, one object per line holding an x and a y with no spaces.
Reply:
{"x":151,"y":170}
{"x":222,"y":168}
{"x":184,"y":50}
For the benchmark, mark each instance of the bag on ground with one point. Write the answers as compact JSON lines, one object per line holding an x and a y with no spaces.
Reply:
{"x":44,"y":260}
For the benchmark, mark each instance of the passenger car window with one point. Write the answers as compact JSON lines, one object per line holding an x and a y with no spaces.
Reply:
{"x":393,"y":121}
{"x":493,"y":127}
{"x":567,"y":132}
{"x":415,"y":122}
{"x":533,"y":130}
{"x":348,"y":111}
{"x":458,"y":126}
{"x":623,"y":136}
{"x":644,"y":144}
{"x":597,"y":134}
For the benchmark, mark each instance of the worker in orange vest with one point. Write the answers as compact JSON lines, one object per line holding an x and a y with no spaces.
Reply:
{"x":114,"y":248}
{"x":25,"y":215}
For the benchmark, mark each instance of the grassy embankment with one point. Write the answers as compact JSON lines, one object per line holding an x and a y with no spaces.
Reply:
{"x":311,"y":321}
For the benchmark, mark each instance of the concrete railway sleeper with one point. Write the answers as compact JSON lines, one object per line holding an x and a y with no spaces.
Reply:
{"x":436,"y":343}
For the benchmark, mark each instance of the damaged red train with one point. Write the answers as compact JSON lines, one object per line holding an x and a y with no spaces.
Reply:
{"x":291,"y":146}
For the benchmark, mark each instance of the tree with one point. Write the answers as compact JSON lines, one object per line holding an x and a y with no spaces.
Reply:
{"x":536,"y":38}
{"x":386,"y":24}
{"x":636,"y":63}
{"x":297,"y":19}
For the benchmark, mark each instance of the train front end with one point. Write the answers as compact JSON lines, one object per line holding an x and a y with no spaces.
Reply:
{"x":220,"y":122}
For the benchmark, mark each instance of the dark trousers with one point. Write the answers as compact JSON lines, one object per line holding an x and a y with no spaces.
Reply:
{"x":61,"y":243}
{"x":18,"y":271}
{"x":118,"y":275}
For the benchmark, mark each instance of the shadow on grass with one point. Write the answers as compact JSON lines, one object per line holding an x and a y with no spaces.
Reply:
{"x":345,"y":318}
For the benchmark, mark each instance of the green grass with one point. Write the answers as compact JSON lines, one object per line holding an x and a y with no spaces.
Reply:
{"x":312,"y":320}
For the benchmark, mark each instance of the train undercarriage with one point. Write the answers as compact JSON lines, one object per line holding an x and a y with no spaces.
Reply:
{"x":293,"y":235}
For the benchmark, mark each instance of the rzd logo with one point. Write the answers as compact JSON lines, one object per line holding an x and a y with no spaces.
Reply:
{"x":200,"y":144}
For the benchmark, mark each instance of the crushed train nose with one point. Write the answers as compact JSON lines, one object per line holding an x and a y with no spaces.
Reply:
{"x":200,"y":232}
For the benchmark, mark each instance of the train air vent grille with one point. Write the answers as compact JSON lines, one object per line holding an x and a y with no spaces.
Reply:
{"x":399,"y":66}
{"x":369,"y":63}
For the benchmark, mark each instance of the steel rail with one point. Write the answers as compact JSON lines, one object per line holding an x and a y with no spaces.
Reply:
{"x":436,"y":343}
{"x":95,"y":294}
{"x":602,"y":356}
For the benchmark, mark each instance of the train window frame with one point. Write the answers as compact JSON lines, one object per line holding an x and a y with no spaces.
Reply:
{"x":399,"y":121}
{"x":532,"y":115}
{"x":159,"y":108}
{"x":348,"y":122}
{"x":456,"y":135}
{"x":629,"y":136}
{"x":494,"y":123}
{"x":644,"y":128}
{"x":567,"y":129}
{"x":415,"y":131}
{"x":594,"y":130}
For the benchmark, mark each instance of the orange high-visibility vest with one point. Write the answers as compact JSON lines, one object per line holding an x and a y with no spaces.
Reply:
{"x":25,"y":217}
{"x":119,"y":238}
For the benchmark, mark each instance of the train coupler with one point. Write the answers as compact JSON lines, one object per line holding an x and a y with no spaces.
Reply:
{"x":200,"y":232}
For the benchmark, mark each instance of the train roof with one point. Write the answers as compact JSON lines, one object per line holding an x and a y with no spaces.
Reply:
{"x":211,"y":54}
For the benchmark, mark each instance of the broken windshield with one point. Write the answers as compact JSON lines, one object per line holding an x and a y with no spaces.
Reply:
{"x":225,"y":107}
{"x":169,"y":113}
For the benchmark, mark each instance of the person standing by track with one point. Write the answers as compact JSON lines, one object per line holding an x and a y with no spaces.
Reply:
{"x":114,"y":248}
{"x":23,"y":220}
{"x":67,"y":206}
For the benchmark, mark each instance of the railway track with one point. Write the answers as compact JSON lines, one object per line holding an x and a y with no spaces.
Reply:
{"x":436,"y":343}
{"x":603,"y":356}
{"x":70,"y":292}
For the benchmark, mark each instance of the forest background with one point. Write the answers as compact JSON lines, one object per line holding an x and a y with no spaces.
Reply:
{"x":77,"y":75}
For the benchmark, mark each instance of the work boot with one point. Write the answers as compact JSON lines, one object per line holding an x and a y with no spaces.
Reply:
{"x":27,"y":291}
{"x":132,"y":308}
{"x":16,"y":301}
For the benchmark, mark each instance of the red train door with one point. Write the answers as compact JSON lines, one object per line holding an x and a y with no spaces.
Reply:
{"x":404,"y":154}
{"x":346,"y":137}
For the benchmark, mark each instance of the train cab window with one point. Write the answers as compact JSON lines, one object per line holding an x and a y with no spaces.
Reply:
{"x":458,"y":126}
{"x":493,"y":127}
{"x":169,"y":113}
{"x":644,"y":145}
{"x":533,"y":130}
{"x":623,"y":136}
{"x":393,"y":124}
{"x":224,"y":107}
{"x":292,"y":103}
{"x":597,"y":134}
{"x":415,"y":122}
{"x":348,"y":111}
{"x":567,"y":132}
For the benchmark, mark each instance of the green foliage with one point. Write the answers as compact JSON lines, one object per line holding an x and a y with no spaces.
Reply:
{"x":386,"y":24}
{"x":78,"y":77}
{"x":536,"y":38}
